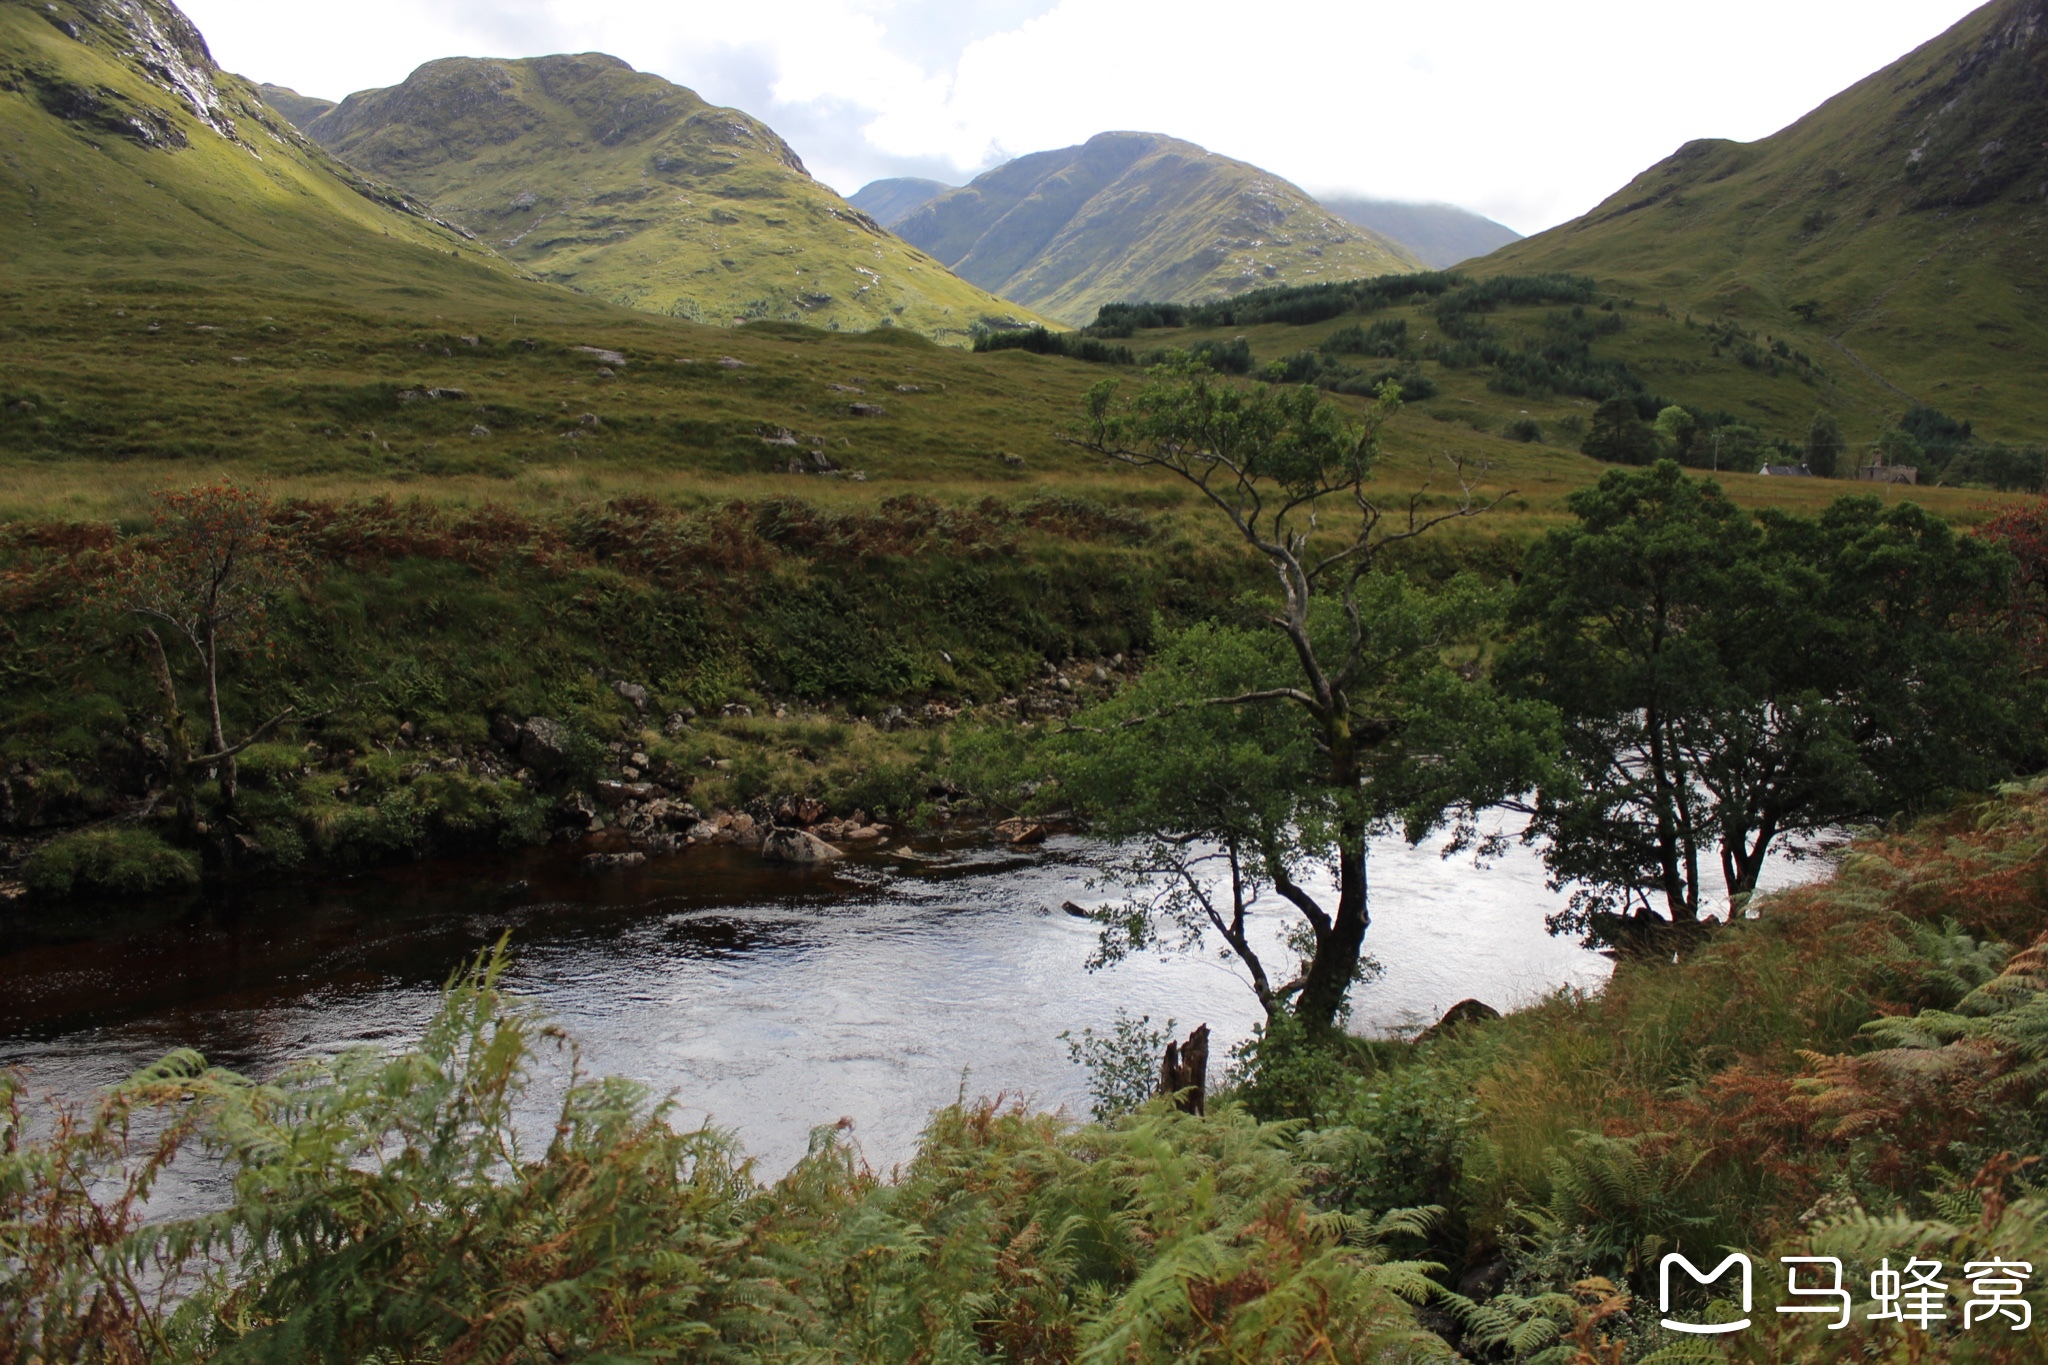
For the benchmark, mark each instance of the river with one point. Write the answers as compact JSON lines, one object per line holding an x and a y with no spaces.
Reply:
{"x":768,"y":1000}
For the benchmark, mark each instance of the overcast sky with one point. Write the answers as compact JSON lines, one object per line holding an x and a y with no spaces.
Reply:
{"x":1529,"y":111}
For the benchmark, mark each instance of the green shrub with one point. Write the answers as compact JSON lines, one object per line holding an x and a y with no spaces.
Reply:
{"x":109,"y":862}
{"x":1527,"y":430}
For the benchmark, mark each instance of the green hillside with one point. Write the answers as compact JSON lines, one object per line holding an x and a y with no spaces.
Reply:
{"x":1133,"y":216}
{"x":1895,"y":236}
{"x":1440,"y":235}
{"x":889,"y":202}
{"x":127,"y":157}
{"x":626,"y":187}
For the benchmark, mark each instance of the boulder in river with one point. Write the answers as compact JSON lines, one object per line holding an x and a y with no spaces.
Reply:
{"x":798,"y":847}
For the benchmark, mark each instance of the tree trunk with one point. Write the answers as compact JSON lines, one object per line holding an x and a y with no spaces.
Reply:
{"x":177,"y":738}
{"x":1184,"y":1074}
{"x":1335,"y":965}
{"x":220,"y":737}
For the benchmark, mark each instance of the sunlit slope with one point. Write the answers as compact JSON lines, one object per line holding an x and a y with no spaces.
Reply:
{"x":624,"y":186}
{"x":125,"y":154}
{"x":1896,"y":235}
{"x":1138,"y":216}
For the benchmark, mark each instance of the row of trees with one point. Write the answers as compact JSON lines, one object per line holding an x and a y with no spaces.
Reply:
{"x":1674,"y":687}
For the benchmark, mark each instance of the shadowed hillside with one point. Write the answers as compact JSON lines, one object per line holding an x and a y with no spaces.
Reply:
{"x":300,"y":109}
{"x":621,"y":185}
{"x":889,"y":202}
{"x":1139,"y":216}
{"x":1896,"y":234}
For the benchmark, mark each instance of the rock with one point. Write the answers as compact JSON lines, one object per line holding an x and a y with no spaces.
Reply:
{"x":451,"y":395}
{"x":616,"y":794}
{"x":893,"y":719}
{"x":575,"y":810}
{"x":808,"y":810}
{"x":603,"y":356}
{"x":639,"y":760}
{"x":589,"y":419}
{"x":605,"y":862}
{"x":726,"y":362}
{"x":544,"y":744}
{"x":738,"y":711}
{"x":1031,"y":836}
{"x":1076,"y":911}
{"x":1013,"y":461}
{"x":798,"y":847}
{"x":867,"y":410}
{"x":675,"y":725}
{"x":480,"y":432}
{"x":846,"y":388}
{"x":472,"y":341}
{"x":1101,"y":674}
{"x":908,"y":388}
{"x":782,"y":437}
{"x":742,"y":828}
{"x":703,"y":832}
{"x":606,"y":372}
{"x":1464,"y":1012}
{"x":866,"y":834}
{"x":639,"y":696}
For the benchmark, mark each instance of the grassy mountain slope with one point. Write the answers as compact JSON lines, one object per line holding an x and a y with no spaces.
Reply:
{"x":1132,"y":216}
{"x":128,"y":157}
{"x":889,"y":202}
{"x":300,"y":109}
{"x":624,"y":186}
{"x":1441,"y":235}
{"x":1896,"y":235}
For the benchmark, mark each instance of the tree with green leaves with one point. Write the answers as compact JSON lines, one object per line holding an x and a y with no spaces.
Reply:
{"x":1824,"y":446}
{"x":1255,"y":751}
{"x":1619,"y":436}
{"x":1727,"y":681}
{"x":1675,"y":430}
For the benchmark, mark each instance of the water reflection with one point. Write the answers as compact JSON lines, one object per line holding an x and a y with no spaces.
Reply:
{"x":768,"y":1000}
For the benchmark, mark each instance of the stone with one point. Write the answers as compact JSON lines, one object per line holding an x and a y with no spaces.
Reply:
{"x":480,"y":432}
{"x":726,"y":362}
{"x":616,"y":794}
{"x":601,"y":355}
{"x":606,"y":862}
{"x":576,"y":810}
{"x":675,"y":725}
{"x":472,"y":341}
{"x":1031,"y":836}
{"x":544,"y":744}
{"x":638,"y":696}
{"x":451,"y":395}
{"x":1013,"y":461}
{"x":797,"y":847}
{"x":703,"y":832}
{"x":738,"y":711}
{"x":1464,"y":1012}
{"x":867,"y":410}
{"x":908,"y":388}
{"x":505,"y":730}
{"x":808,"y":810}
{"x":606,"y":372}
{"x":893,"y":719}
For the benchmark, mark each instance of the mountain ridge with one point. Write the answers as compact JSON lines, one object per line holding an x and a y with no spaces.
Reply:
{"x":1130,"y":215}
{"x":1442,"y":235}
{"x":623,"y":185}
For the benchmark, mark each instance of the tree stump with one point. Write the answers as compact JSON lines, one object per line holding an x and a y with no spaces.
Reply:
{"x":1184,"y":1075}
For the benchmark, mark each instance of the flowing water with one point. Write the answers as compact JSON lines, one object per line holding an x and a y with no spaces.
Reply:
{"x":769,"y":1000}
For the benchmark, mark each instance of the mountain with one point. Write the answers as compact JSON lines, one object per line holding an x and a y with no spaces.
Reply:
{"x":126,"y":154}
{"x":889,"y":202}
{"x":1130,"y":216}
{"x":300,"y":109}
{"x":1898,"y":235}
{"x":1442,"y":235}
{"x":624,"y":186}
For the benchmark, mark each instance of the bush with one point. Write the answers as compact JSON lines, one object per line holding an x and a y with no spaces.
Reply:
{"x":1525,"y":429}
{"x":108,"y":862}
{"x":1039,"y":341}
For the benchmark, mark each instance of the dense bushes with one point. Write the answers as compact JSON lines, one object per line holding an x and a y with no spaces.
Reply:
{"x":109,"y":862}
{"x":1072,"y":345}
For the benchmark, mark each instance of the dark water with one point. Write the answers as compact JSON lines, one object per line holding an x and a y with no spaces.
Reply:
{"x":770,"y":1000}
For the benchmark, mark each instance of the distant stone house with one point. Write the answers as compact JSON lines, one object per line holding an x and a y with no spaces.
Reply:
{"x":1786,"y":471}
{"x":1877,"y":471}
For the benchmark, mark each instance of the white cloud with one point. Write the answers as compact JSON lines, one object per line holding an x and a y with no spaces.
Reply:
{"x":1529,"y":112}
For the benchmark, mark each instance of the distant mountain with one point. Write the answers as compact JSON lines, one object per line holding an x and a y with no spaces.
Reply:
{"x":635,"y":190}
{"x":889,"y":202}
{"x":1441,"y":234}
{"x":300,"y":109}
{"x":1898,"y":234}
{"x":1131,"y":216}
